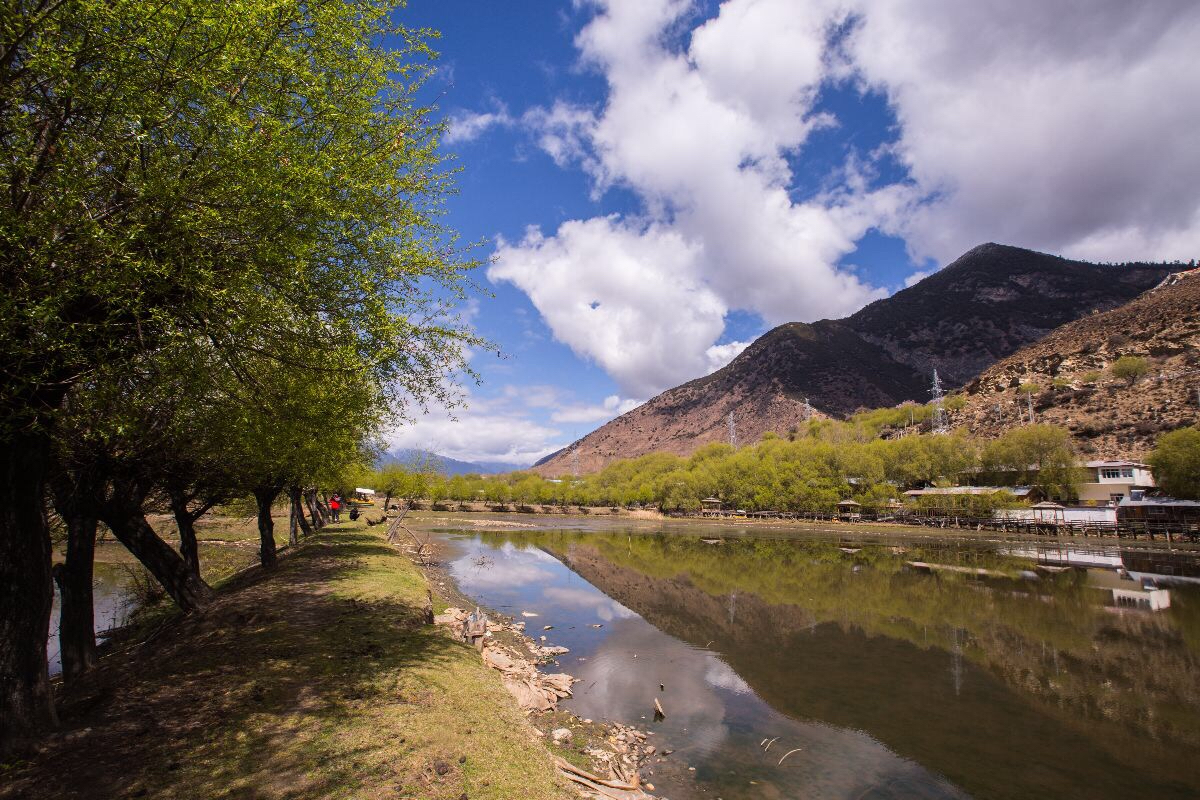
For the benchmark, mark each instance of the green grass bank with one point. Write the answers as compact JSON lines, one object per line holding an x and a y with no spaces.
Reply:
{"x":315,"y":680}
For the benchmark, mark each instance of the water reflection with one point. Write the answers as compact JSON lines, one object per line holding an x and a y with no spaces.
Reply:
{"x":994,"y":679}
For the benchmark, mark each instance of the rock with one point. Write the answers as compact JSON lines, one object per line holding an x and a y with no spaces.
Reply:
{"x":561,"y":735}
{"x":441,"y":767}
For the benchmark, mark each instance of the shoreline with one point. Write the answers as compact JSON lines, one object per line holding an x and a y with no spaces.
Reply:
{"x":318,"y":678}
{"x":483,"y":520}
{"x":593,"y":746}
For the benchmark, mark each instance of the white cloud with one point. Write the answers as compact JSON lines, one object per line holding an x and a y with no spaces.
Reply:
{"x":622,"y":293}
{"x":1067,"y":127}
{"x":562,"y":131}
{"x":721,"y":354}
{"x":479,"y":433}
{"x":466,"y":126}
{"x":613,"y":406}
{"x":1060,"y":126}
{"x":701,"y":135}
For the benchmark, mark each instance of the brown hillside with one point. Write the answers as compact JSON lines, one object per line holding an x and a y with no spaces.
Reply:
{"x":1107,"y":416}
{"x":987,"y":304}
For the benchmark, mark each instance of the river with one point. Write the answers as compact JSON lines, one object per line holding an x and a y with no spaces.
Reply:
{"x":887,"y":668}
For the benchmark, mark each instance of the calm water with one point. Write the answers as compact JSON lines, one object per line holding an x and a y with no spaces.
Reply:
{"x":1035,"y":679}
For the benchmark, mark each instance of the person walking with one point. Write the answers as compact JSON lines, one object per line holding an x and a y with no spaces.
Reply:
{"x":335,"y":507}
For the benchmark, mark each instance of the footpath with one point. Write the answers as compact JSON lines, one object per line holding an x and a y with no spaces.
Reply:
{"x":319,"y":679}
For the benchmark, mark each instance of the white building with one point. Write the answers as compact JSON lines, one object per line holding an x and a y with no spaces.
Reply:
{"x":1110,"y":482}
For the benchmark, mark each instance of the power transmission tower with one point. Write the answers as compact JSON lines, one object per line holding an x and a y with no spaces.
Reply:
{"x":808,"y":409}
{"x":1029,"y":397}
{"x":732,"y":432}
{"x":939,"y":422}
{"x":575,"y":460}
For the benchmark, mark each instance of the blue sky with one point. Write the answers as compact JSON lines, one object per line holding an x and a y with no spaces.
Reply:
{"x":658,"y":182}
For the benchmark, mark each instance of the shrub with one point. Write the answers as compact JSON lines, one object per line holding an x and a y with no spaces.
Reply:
{"x":1091,"y":376}
{"x":1130,"y":368}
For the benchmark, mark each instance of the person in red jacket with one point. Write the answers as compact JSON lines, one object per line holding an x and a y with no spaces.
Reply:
{"x":335,"y":506}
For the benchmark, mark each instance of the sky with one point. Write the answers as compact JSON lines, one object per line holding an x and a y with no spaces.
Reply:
{"x":655,"y":183}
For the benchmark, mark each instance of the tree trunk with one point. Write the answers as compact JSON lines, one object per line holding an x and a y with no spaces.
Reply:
{"x":298,"y":519}
{"x":123,"y":514}
{"x":265,"y":496}
{"x":76,"y":615}
{"x":387,"y":504}
{"x":26,"y":593}
{"x":314,"y":508}
{"x":185,"y":521}
{"x":75,"y":499}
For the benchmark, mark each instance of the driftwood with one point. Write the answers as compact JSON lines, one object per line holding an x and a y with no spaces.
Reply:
{"x":397,"y":525}
{"x":601,"y":787}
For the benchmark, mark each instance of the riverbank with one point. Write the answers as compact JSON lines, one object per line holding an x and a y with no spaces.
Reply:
{"x":318,"y":679}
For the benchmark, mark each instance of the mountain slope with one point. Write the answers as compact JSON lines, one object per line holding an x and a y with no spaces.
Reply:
{"x":1108,"y":417}
{"x":986,"y":305}
{"x":425,"y":459}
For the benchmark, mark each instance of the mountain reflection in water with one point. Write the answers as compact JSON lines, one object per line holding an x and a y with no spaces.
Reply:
{"x":893,"y":681}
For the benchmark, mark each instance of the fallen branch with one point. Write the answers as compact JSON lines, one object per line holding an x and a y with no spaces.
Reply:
{"x":605,"y":788}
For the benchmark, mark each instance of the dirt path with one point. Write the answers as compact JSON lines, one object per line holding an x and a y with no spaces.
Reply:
{"x":316,"y":680}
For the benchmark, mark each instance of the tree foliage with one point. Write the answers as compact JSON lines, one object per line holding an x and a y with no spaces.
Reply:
{"x":832,"y":461}
{"x":1176,"y":463}
{"x":223,"y":266}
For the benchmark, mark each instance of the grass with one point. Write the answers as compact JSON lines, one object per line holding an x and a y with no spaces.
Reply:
{"x":318,"y":679}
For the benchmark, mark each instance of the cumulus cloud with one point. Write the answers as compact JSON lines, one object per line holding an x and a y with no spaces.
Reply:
{"x":721,"y":354}
{"x":479,"y":432}
{"x":1067,"y":127}
{"x":613,"y":406}
{"x":466,"y":126}
{"x":621,"y":292}
{"x":702,"y":136}
{"x":1063,"y":126}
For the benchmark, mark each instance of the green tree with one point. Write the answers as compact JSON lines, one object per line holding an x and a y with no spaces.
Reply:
{"x":1034,"y":455}
{"x":249,"y":175}
{"x":1176,"y":463}
{"x":1130,"y":368}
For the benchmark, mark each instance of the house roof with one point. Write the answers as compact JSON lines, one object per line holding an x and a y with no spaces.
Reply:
{"x":1046,"y":504}
{"x":1116,"y":463}
{"x":849,"y":503}
{"x":1019,"y":491}
{"x":710,"y":500}
{"x":1160,"y":501}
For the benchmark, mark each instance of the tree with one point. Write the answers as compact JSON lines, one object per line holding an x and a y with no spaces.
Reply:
{"x":1034,"y":455}
{"x":1176,"y":463}
{"x":1130,"y":368}
{"x":240,"y":174}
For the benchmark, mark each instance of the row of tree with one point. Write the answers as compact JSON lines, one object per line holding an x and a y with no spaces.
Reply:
{"x":223,"y":273}
{"x":825,"y":462}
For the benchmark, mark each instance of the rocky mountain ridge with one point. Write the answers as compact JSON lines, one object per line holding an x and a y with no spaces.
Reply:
{"x":1072,"y":369}
{"x":984,"y":306}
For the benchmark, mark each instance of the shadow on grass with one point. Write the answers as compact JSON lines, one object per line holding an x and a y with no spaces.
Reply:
{"x":259,"y":685}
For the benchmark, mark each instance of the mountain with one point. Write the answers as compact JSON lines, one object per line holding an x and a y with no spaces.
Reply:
{"x":417,"y":459}
{"x":985,"y":305}
{"x":1108,"y":416}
